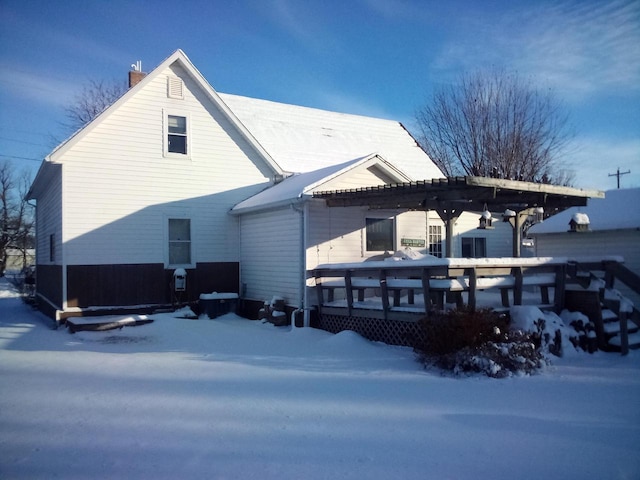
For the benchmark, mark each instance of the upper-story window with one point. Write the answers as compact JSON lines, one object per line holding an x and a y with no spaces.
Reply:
{"x":177,"y":134}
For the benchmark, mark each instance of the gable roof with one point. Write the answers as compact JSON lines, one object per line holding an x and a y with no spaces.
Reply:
{"x":302,"y":139}
{"x":176,"y":57}
{"x":299,"y":186}
{"x":616,"y":211}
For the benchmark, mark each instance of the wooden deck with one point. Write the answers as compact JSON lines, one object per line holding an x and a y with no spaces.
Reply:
{"x":385,"y":300}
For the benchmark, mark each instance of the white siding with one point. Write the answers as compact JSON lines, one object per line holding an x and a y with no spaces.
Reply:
{"x":49,"y":222}
{"x":270,"y":252}
{"x":336,"y":235}
{"x":119,"y":188}
{"x":499,"y":239}
{"x":360,"y":177}
{"x":625,"y":243}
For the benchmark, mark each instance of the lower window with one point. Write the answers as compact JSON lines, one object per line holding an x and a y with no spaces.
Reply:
{"x":379,"y":232}
{"x":435,"y":240}
{"x":179,"y":241}
{"x":474,"y":247}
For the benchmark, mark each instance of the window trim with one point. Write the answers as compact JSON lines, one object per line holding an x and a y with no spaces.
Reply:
{"x":167,"y":242}
{"x":166,"y":113}
{"x":394,"y":230}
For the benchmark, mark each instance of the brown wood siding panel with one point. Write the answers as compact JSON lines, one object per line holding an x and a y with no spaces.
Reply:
{"x":116,"y":285}
{"x":217,"y":277}
{"x":145,"y":284}
{"x":49,"y":283}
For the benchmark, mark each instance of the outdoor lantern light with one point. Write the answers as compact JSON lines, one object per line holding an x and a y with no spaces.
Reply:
{"x":538,"y":214}
{"x":485,"y":219}
{"x":508,"y":215}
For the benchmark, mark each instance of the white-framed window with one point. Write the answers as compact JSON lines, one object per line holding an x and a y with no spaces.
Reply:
{"x":179,"y":242}
{"x":379,"y":234}
{"x":474,"y":247}
{"x":435,"y":240}
{"x":176,"y":134}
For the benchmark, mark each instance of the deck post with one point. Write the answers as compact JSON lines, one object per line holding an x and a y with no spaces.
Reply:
{"x":473,"y":280}
{"x":425,"y":290}
{"x":561,"y":281}
{"x":624,"y":333}
{"x":319,"y":294}
{"x":517,"y":288}
{"x":384,"y":293}
{"x":349,"y":292}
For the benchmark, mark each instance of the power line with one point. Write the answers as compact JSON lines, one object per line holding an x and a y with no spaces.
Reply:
{"x":21,"y":158}
{"x":22,"y":141}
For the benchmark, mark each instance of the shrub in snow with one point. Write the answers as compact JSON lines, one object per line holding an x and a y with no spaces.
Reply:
{"x":466,"y":341}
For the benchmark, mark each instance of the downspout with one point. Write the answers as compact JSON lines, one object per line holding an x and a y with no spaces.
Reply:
{"x":304,"y":216}
{"x":63,"y":253}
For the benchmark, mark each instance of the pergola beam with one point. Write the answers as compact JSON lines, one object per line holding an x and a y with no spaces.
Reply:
{"x":451,"y":196}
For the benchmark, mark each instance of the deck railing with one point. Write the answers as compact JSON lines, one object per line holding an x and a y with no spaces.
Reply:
{"x":438,"y":281}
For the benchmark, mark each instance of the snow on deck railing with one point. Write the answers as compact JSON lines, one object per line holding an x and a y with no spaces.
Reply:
{"x":437,"y":279}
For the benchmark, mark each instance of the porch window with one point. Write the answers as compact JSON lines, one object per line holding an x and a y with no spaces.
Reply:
{"x":474,"y":247}
{"x":179,"y":241}
{"x":435,"y":240}
{"x":379,"y":234}
{"x":176,"y":134}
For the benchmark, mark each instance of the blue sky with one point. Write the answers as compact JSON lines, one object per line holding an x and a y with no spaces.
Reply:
{"x":371,"y":57}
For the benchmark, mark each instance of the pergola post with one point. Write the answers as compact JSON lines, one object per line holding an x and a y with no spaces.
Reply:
{"x":517,"y":234}
{"x":448,"y":215}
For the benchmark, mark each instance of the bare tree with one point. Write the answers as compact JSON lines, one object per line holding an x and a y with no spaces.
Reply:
{"x":16,"y":215}
{"x":95,"y":96}
{"x":496,"y":125}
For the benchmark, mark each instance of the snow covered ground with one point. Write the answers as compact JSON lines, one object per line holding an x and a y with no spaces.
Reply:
{"x":237,"y":399}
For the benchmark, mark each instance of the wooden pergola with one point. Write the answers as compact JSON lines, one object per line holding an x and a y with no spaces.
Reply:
{"x":449,"y":197}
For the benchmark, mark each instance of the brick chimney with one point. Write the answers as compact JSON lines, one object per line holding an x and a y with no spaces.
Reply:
{"x":136,"y":75}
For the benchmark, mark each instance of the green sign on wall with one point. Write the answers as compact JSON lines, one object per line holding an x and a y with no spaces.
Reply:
{"x":412,"y":242}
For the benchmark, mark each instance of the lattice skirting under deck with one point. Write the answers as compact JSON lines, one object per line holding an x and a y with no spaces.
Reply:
{"x":393,"y":332}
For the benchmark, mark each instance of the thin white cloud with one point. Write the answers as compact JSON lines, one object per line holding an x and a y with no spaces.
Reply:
{"x":37,"y":87}
{"x":340,"y":102}
{"x":394,"y":9}
{"x":300,"y":21}
{"x":575,"y":47}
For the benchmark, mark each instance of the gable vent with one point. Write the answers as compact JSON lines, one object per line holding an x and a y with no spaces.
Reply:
{"x":175,"y":87}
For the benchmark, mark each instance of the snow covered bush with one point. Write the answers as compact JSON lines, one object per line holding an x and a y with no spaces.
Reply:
{"x":464,"y":341}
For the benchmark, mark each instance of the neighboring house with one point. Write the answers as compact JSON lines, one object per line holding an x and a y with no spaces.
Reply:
{"x":608,"y":226}
{"x":174,"y":175}
{"x":17,"y":259}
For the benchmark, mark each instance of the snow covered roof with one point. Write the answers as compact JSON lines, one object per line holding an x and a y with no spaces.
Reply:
{"x":618,"y":210}
{"x":303,"y":139}
{"x":580,"y":218}
{"x":299,"y":185}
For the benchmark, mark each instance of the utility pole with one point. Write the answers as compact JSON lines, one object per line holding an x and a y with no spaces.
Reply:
{"x":618,"y":174}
